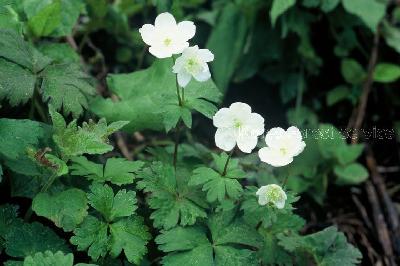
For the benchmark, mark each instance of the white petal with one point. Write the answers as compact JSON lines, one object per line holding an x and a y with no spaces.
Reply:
{"x":224,"y":139}
{"x":178,"y":47}
{"x":223,"y":118}
{"x":261,"y":190}
{"x":246,"y":142}
{"x":298,"y":148}
{"x":183,"y":78}
{"x":165,"y":21}
{"x":274,"y":157}
{"x":179,"y":62}
{"x":186,"y":29}
{"x":280,"y":204}
{"x":262,"y":200}
{"x":256,"y":124}
{"x":240,"y":108}
{"x":147,"y":31}
{"x":204,"y":75}
{"x":274,"y":137}
{"x":294,"y":132}
{"x":206,"y":55}
{"x":160,"y":51}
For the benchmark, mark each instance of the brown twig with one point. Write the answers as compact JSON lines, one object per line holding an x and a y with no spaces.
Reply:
{"x":367,"y":87}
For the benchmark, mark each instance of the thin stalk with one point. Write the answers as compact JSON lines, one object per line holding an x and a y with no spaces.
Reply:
{"x":227,"y":162}
{"x":177,"y":135}
{"x":285,"y":181}
{"x":46,"y":186}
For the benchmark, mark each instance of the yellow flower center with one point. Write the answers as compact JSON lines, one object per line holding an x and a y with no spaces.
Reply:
{"x":237,"y":123}
{"x":283,"y":151}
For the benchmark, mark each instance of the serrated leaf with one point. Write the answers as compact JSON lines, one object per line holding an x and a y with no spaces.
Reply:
{"x":112,"y":206}
{"x":190,"y":245}
{"x":131,"y":236}
{"x":16,"y":83}
{"x":173,"y":201}
{"x":328,"y":247}
{"x":351,"y":174}
{"x":92,"y":235}
{"x":142,"y":99}
{"x":66,"y":209}
{"x":370,"y":12}
{"x":59,"y":52}
{"x":90,"y":138}
{"x":279,"y":7}
{"x":28,"y":239}
{"x":9,"y":18}
{"x":66,"y":86}
{"x":349,"y":153}
{"x":49,"y":258}
{"x":118,"y":171}
{"x":8,"y":219}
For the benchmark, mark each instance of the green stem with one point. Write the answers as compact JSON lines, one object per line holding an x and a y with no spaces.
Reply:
{"x":46,"y":186}
{"x":227,"y":162}
{"x":177,"y":135}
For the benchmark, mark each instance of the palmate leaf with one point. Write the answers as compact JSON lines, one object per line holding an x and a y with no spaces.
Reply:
{"x":328,"y":247}
{"x":65,"y":86}
{"x":91,"y":138}
{"x":112,"y":206}
{"x":120,"y":230}
{"x":49,"y":258}
{"x":219,"y":186}
{"x":118,"y":171}
{"x":173,"y":201}
{"x":229,"y":243}
{"x":146,"y":103}
{"x":66,"y":209}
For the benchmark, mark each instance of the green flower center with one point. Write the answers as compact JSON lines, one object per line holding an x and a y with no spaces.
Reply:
{"x":274,"y":195}
{"x":283,"y":151}
{"x":237,"y":123}
{"x":167,"y":41}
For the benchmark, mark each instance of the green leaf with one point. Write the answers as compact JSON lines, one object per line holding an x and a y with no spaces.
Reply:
{"x":91,"y":138}
{"x":71,"y":10}
{"x":49,"y":258}
{"x":352,"y":174}
{"x":279,"y":7}
{"x":349,"y":153}
{"x":59,"y":52}
{"x":15,"y":49}
{"x":66,"y":209}
{"x":371,"y":12}
{"x":9,"y":19}
{"x":131,"y":236}
{"x":102,"y":198}
{"x":58,"y":165}
{"x":8,"y":219}
{"x":142,"y":99}
{"x":128,"y":234}
{"x":65,"y":86}
{"x":229,"y":242}
{"x":92,"y":235}
{"x":386,"y":72}
{"x":174,"y":202}
{"x":45,"y":20}
{"x":337,"y":94}
{"x":16,"y":83}
{"x":352,"y":71}
{"x":118,"y":171}
{"x":329,"y":5}
{"x":391,"y":35}
{"x":328,"y":247}
{"x":329,"y":140}
{"x":226,"y":41}
{"x":28,"y":239}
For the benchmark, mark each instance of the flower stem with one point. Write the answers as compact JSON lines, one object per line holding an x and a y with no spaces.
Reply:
{"x":46,"y":186}
{"x":177,"y":135}
{"x":227,"y":162}
{"x":285,"y":181}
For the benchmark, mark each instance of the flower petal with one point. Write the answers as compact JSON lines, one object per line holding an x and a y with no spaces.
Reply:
{"x":297,"y":149}
{"x":280,"y":204}
{"x":224,"y":139}
{"x":246,"y":142}
{"x":206,"y":55}
{"x":223,"y":118}
{"x":203,"y":75}
{"x":148,"y":33}
{"x":183,"y":78}
{"x":160,"y":52}
{"x":186,"y":29}
{"x":240,"y":108}
{"x":165,"y":20}
{"x":262,"y":200}
{"x":274,"y":137}
{"x":274,"y":157}
{"x":256,"y":123}
{"x":295,"y":133}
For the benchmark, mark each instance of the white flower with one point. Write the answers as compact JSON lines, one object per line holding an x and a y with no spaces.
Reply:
{"x":271,"y":194}
{"x":193,"y":62}
{"x":282,"y":146}
{"x":237,"y":125}
{"x":166,"y":37}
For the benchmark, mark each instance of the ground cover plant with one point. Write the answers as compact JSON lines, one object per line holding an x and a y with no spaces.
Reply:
{"x":199,"y":132}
